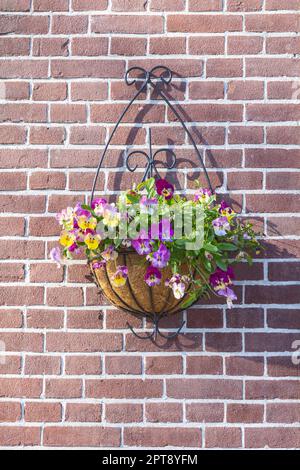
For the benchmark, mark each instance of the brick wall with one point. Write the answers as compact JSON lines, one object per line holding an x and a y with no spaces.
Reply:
{"x":72,"y":374}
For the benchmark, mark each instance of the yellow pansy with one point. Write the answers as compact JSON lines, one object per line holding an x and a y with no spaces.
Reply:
{"x":87,"y":223}
{"x":67,"y":239}
{"x":92,"y":241}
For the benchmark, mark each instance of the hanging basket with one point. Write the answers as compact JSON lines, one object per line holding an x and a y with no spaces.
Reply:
{"x":136,"y":296}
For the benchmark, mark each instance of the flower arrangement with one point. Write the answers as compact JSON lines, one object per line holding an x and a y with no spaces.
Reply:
{"x":166,"y":230}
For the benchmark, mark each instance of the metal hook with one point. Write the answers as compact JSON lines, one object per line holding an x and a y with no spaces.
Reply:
{"x":156,"y":330}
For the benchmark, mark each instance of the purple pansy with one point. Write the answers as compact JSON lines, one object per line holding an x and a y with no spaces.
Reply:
{"x":142,"y":244}
{"x":220,"y":280}
{"x":162,"y":231}
{"x":152,"y":276}
{"x":221,"y":226}
{"x":98,"y":205}
{"x":55,"y":256}
{"x":202,"y":195}
{"x":160,"y":258}
{"x":164,"y":188}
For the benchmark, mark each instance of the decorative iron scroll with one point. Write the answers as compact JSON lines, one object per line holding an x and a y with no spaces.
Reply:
{"x":156,"y":78}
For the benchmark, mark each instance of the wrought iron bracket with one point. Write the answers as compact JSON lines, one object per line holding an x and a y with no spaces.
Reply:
{"x":156,"y":329}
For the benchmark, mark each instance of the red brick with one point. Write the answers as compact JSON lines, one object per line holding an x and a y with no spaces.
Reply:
{"x":272,"y":438}
{"x":272,"y":158}
{"x":245,"y":135}
{"x":124,"y":388}
{"x":95,"y":91}
{"x":279,"y":5}
{"x":45,"y":318}
{"x":245,"y":318}
{"x":67,"y":24}
{"x":58,"y":201}
{"x":83,"y":412}
{"x":49,"y":91}
{"x":272,"y":389}
{"x":272,"y":203}
{"x":89,"y":46}
{"x":204,"y":318}
{"x":20,"y":388}
{"x":204,"y":388}
{"x":184,"y":67}
{"x":50,"y":5}
{"x":11,"y":365}
{"x":283,"y":135}
{"x":23,"y":24}
{"x":283,"y":181}
{"x":87,"y":319}
{"x":63,"y":388}
{"x":283,"y":412}
{"x":244,"y":5}
{"x":282,"y":367}
{"x":9,"y":181}
{"x":45,"y":272}
{"x":162,"y":437}
{"x":11,"y":272}
{"x":16,"y":91}
{"x":283,"y":318}
{"x":23,"y":112}
{"x":167,"y":46}
{"x":278,"y":226}
{"x":42,"y":365}
{"x":68,"y":113}
{"x":283,"y":45}
{"x":87,"y":68}
{"x":168,"y":365}
{"x":223,"y":342}
{"x":10,"y":411}
{"x":123,"y":412}
{"x":111,"y":112}
{"x":27,"y":158}
{"x":164,"y":412}
{"x":272,"y":112}
{"x":85,"y":5}
{"x":238,"y":365}
{"x":205,"y":5}
{"x":167,"y":5}
{"x":19,"y":436}
{"x":48,"y":180}
{"x":124,"y":24}
{"x":272,"y":67}
{"x":245,"y":45}
{"x":23,"y":68}
{"x":83,"y":365}
{"x":244,"y":413}
{"x":15,"y":5}
{"x":116,"y":365}
{"x":81,"y":437}
{"x":50,"y":47}
{"x":211,"y":112}
{"x":224,"y":68}
{"x":188,"y":342}
{"x":43,"y":226}
{"x":244,"y":180}
{"x":204,"y":365}
{"x":205,"y":413}
{"x":245,"y":90}
{"x":128,"y":46}
{"x":16,"y":295}
{"x":11,"y":318}
{"x":84,"y":182}
{"x":269,"y":341}
{"x":21,"y":249}
{"x":204,"y":23}
{"x":128,"y":5}
{"x":20,"y":341}
{"x":206,"y":45}
{"x":14,"y":47}
{"x":223,"y":437}
{"x":87,"y":135}
{"x":206,"y":90}
{"x":272,"y":23}
{"x":88,"y":342}
{"x":39,"y":412}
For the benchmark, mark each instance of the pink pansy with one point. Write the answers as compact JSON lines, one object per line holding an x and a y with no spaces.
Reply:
{"x":152,"y":276}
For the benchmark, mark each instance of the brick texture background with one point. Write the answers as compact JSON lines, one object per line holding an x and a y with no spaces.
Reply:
{"x":72,"y":374}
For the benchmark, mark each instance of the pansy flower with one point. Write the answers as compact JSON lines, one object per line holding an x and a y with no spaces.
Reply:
{"x":178,"y":285}
{"x":67,"y":239}
{"x":109,"y":254}
{"x":98,"y":206}
{"x":111,"y":216}
{"x":202,"y":195}
{"x":87,"y":223}
{"x":221,"y":226}
{"x":162,"y":231}
{"x":225,"y":209}
{"x":92,"y":241}
{"x":55,"y":256}
{"x":120,"y":277}
{"x":98,"y":264}
{"x":152,"y":276}
{"x":66,"y":218}
{"x":220,"y":280}
{"x":164,"y":188}
{"x":160,"y":258}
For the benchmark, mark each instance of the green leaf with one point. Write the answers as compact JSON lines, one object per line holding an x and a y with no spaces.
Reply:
{"x":86,"y":207}
{"x":222,"y":264}
{"x":227,"y":247}
{"x":210,"y":248}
